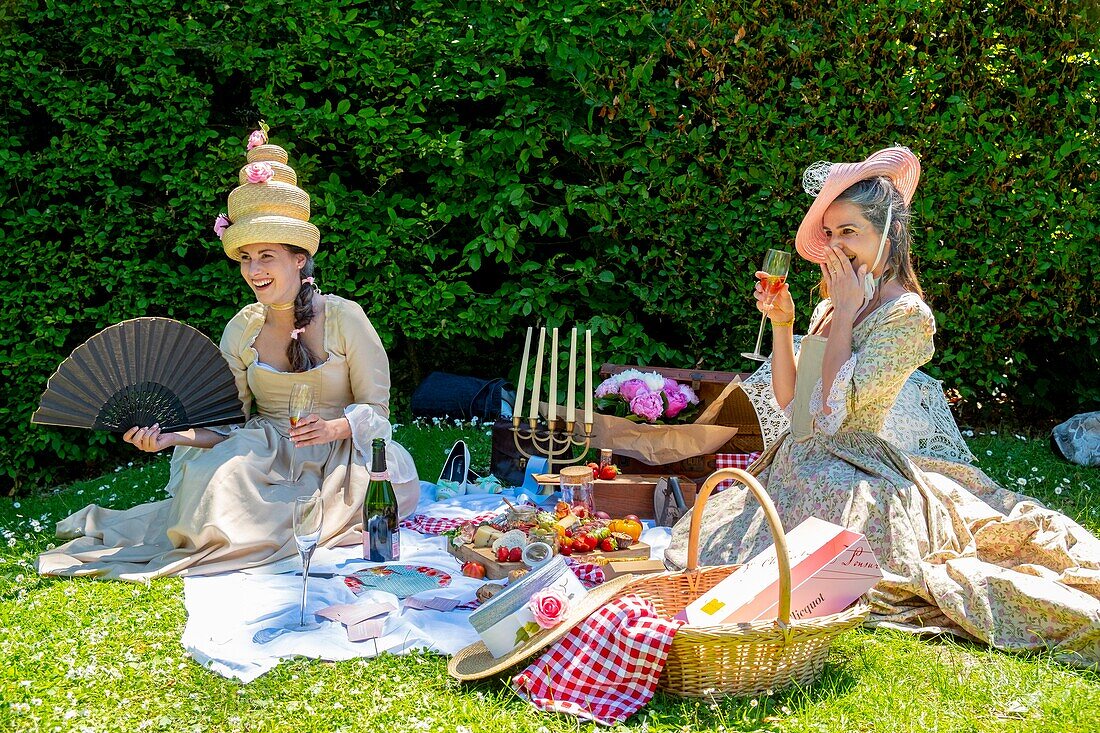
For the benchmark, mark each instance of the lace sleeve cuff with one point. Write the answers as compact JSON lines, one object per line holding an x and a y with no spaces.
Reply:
{"x":838,"y":399}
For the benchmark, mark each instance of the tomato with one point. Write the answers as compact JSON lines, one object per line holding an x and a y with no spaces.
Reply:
{"x":608,"y":473}
{"x":473,"y":570}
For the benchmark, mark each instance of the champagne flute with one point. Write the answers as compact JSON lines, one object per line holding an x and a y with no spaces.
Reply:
{"x":776,"y":264}
{"x":308,"y":514}
{"x":302,"y":399}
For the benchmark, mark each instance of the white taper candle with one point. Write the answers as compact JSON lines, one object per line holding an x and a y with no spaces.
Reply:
{"x":536,"y":387}
{"x":517,"y":409}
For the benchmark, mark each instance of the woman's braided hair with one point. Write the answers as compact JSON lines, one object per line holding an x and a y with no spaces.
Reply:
{"x":301,"y":358}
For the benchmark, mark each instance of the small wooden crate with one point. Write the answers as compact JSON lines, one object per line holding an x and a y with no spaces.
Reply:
{"x":628,"y":493}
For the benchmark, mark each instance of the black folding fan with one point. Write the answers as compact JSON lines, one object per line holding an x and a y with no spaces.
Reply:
{"x":141,"y":372}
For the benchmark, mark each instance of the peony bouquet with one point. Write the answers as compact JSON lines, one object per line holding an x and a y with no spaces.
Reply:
{"x":646,"y":397}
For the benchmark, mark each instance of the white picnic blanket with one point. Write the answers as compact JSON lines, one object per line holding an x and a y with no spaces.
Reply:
{"x":224,"y":612}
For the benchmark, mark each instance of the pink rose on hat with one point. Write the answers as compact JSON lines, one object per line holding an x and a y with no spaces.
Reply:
{"x":256,"y":139}
{"x":258,"y":172}
{"x":221,"y":223}
{"x":549,"y":607}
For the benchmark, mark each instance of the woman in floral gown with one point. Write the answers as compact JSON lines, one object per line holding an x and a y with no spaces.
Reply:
{"x":959,"y":554}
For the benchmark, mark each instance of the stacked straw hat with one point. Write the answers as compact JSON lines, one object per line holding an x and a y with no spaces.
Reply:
{"x":267,"y":206}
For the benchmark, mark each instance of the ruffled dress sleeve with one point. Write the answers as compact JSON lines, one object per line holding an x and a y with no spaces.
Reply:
{"x":899,"y":341}
{"x":369,"y":373}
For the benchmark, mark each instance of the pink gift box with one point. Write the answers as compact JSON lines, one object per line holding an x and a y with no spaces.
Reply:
{"x":830,"y":568}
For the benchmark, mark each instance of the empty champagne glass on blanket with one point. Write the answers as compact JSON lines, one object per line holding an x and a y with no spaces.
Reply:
{"x":308,"y":515}
{"x":776,"y":264}
{"x":302,"y":400}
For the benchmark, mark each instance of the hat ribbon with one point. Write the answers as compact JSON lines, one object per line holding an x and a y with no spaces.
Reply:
{"x":870,"y":282}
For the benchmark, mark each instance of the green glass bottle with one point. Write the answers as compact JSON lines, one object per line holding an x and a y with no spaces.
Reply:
{"x":381,"y":537}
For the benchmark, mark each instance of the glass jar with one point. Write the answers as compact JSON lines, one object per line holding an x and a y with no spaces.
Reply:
{"x":521,"y":516}
{"x":605,"y":458}
{"x":576,"y":487}
{"x":549,"y":535}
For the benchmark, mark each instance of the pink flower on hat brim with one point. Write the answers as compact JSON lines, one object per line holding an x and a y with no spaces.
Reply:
{"x":897,"y":163}
{"x":259,"y":172}
{"x":256,"y":139}
{"x":549,"y":607}
{"x":221,"y":223}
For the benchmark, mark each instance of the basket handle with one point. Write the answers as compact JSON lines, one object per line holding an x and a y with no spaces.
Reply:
{"x":778,"y":535}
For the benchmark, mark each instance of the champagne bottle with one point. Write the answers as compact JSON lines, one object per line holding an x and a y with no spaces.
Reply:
{"x":381,"y":537}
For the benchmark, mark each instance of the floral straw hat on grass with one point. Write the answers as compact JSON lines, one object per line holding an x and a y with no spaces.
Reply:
{"x":476,"y":661}
{"x":267,"y":206}
{"x":826,"y":181}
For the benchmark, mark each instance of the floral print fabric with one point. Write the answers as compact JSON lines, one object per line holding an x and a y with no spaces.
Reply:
{"x":959,"y":554}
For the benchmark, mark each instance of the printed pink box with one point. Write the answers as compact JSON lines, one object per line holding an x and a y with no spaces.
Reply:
{"x":830,"y":568}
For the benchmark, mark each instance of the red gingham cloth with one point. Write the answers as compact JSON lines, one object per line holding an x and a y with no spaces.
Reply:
{"x":733,"y":460}
{"x":606,"y":668}
{"x":589,"y":573}
{"x":424,"y":524}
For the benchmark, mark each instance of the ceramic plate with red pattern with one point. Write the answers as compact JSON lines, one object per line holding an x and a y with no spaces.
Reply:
{"x":401,"y":580}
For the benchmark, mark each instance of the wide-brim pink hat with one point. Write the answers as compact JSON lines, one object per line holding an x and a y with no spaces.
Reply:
{"x":826,"y":181}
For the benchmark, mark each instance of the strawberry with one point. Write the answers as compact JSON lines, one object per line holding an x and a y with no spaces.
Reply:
{"x":515,"y":554}
{"x":502,"y":554}
{"x":608,"y":473}
{"x":566,"y":550}
{"x":609,"y":544}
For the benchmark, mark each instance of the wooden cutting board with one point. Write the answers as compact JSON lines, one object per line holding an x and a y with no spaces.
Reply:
{"x":496,"y":570}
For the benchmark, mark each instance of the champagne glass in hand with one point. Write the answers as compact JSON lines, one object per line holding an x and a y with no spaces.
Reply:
{"x":308,"y":514}
{"x":302,"y":399}
{"x":776,"y":264}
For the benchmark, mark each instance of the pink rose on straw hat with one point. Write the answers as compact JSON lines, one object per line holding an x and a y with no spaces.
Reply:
{"x":256,"y":139}
{"x":258,"y":172}
{"x":221,"y":223}
{"x":549,"y":607}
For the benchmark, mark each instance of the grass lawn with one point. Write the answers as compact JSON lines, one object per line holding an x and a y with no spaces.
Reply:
{"x":86,"y":655}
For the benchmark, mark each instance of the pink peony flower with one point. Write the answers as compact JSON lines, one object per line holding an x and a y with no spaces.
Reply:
{"x":677,"y":401}
{"x":258,"y":172}
{"x":549,"y":607}
{"x":632,"y":388}
{"x":256,"y":139}
{"x":607,"y":388}
{"x":671,"y":385}
{"x":221,"y":223}
{"x":649,"y":405}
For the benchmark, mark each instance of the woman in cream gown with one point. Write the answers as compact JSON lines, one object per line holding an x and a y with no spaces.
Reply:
{"x":959,"y":554}
{"x":232,"y":489}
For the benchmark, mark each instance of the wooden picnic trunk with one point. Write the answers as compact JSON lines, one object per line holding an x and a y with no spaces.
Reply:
{"x":736,"y":412}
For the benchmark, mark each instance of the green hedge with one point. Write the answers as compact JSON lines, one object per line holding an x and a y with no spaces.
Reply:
{"x":476,"y":167}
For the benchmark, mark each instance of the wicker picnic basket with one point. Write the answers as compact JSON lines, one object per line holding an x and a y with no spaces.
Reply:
{"x":739,"y":659}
